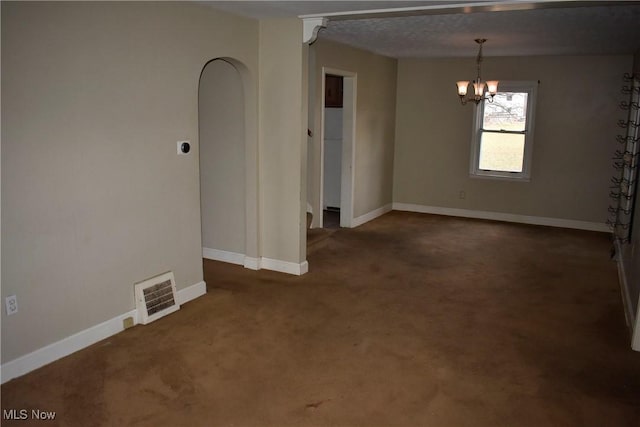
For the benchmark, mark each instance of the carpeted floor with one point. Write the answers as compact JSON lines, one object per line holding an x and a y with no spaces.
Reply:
{"x":409,"y":320}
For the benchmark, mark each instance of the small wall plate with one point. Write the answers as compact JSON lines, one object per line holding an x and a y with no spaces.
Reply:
{"x":184,"y":147}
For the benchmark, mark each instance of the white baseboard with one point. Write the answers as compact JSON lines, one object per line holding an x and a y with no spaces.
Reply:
{"x":304,"y":268}
{"x":224,"y":256}
{"x":231,"y":257}
{"x":285,"y":266}
{"x":371,"y":215}
{"x":498,"y":216}
{"x":256,"y":263}
{"x":252,"y":263}
{"x":82,"y":339}
{"x":191,"y":292}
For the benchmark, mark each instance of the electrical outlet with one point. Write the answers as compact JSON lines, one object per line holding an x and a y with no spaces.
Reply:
{"x":11,"y":304}
{"x":127,"y":323}
{"x":462,"y":194}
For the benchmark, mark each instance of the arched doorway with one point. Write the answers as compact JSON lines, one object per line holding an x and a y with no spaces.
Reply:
{"x":223,"y":162}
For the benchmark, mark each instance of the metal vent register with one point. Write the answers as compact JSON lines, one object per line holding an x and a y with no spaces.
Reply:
{"x":156,"y":297}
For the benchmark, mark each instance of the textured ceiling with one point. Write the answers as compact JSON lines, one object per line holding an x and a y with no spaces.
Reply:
{"x":585,"y":28}
{"x":566,"y":31}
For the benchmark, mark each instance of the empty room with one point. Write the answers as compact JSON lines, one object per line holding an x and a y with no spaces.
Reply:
{"x":368,"y":213}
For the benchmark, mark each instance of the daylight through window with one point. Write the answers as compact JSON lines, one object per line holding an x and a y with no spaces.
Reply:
{"x":503,"y":133}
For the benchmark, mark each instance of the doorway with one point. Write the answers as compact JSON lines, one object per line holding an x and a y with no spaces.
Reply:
{"x":337,"y":142}
{"x":221,"y":121}
{"x":332,"y":155}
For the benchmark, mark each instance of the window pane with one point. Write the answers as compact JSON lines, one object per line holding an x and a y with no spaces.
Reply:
{"x":508,"y":111}
{"x":502,"y":152}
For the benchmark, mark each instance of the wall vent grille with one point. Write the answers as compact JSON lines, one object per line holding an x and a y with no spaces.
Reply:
{"x":156,"y":297}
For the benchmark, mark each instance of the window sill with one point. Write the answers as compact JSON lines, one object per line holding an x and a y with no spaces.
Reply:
{"x":500,"y":177}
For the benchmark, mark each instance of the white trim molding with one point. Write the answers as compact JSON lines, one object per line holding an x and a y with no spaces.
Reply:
{"x":66,"y":346}
{"x":348,"y":156}
{"x":251,"y":263}
{"x":285,"y":266}
{"x":191,"y":292}
{"x":256,"y":263}
{"x":530,"y":88}
{"x":371,"y":215}
{"x":310,"y":28}
{"x":454,"y":7}
{"x":224,"y":256}
{"x":507,"y":217}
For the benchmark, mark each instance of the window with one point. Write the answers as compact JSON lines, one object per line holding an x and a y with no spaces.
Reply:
{"x":503,"y":133}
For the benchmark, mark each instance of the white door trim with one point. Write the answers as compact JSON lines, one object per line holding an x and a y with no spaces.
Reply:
{"x":350,"y":85}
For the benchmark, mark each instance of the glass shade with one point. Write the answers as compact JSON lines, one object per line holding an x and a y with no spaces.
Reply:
{"x":478,"y":88}
{"x":462,"y":87}
{"x":492,"y":87}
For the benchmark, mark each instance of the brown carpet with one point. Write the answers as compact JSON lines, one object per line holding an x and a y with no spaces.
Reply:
{"x":410,"y":320}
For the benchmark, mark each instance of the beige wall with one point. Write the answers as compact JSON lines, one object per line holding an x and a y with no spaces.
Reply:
{"x":576,"y":116}
{"x":222,"y":157}
{"x":375,"y":124}
{"x":630,"y":256}
{"x":94,"y":197}
{"x":281,"y":148}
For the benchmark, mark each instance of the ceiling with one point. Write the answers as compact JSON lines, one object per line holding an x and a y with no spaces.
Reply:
{"x":448,"y":28}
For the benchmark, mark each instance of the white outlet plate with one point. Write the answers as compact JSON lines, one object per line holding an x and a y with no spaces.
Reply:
{"x":11,"y":303}
{"x":179,"y":146}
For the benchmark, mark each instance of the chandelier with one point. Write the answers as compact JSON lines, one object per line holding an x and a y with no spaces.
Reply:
{"x":478,"y":85}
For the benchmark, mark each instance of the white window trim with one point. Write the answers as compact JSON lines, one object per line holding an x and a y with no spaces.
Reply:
{"x":530,"y":87}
